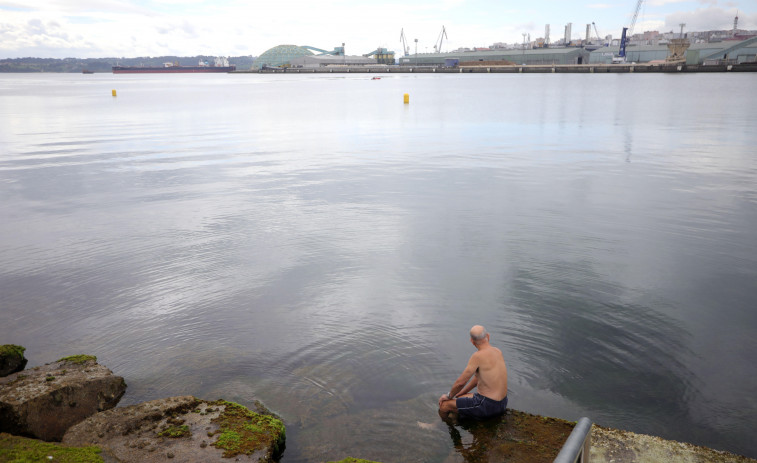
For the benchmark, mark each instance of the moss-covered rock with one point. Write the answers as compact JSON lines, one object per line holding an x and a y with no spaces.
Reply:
{"x":185,"y":429}
{"x":242,"y":431}
{"x":45,"y":401}
{"x":22,"y":449}
{"x":175,"y":431}
{"x":516,"y":436}
{"x":12,"y":359}
{"x":79,"y":359}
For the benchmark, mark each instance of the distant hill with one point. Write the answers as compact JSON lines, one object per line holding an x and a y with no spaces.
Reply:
{"x":105,"y":64}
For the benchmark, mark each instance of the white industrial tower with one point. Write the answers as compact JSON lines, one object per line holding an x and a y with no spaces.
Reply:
{"x":735,"y":24}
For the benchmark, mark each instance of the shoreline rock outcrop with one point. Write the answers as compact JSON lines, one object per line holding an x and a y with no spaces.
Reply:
{"x":11,"y":359}
{"x":45,"y":401}
{"x":185,"y":428}
{"x":73,"y":400}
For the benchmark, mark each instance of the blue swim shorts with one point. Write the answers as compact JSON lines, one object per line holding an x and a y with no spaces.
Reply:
{"x":479,"y":407}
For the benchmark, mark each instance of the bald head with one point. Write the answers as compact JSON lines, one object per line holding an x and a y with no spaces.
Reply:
{"x":478,"y":334}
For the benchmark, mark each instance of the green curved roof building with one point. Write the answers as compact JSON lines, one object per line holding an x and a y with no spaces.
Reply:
{"x":280,"y":54}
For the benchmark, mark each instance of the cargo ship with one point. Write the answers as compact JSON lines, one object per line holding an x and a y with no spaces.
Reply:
{"x":221,"y":64}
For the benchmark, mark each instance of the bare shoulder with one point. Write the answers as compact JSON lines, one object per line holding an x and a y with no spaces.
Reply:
{"x":491,"y":351}
{"x":476,"y":358}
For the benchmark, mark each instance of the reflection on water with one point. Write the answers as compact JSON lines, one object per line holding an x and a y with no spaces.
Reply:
{"x":316,"y":244}
{"x":590,"y":342}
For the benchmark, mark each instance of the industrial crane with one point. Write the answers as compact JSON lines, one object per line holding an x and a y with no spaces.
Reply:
{"x":625,"y":37}
{"x":337,"y":51}
{"x":597,"y":32}
{"x":403,"y":39}
{"x":438,"y":43}
{"x":635,"y":15}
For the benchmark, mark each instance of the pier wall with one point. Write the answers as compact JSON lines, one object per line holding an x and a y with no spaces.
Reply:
{"x":516,"y":69}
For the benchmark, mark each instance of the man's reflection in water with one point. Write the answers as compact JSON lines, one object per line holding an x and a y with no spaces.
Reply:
{"x":483,"y":434}
{"x":517,"y":437}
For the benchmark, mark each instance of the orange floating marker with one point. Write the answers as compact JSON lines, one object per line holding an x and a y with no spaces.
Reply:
{"x":113,"y":92}
{"x":407,"y":98}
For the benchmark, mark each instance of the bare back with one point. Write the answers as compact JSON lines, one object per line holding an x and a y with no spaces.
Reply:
{"x":491,"y":372}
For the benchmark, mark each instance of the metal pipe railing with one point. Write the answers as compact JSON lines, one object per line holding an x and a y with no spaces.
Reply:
{"x":576,"y":448}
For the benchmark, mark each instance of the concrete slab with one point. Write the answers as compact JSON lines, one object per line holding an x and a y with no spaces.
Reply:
{"x":615,"y":446}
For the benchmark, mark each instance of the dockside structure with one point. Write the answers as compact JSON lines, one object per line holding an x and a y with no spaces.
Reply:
{"x":726,"y":52}
{"x":314,"y":61}
{"x":529,"y":57}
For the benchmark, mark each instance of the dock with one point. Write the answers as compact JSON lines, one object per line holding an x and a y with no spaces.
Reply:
{"x":626,"y":68}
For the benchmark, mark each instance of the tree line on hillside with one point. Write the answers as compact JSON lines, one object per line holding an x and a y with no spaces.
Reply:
{"x":105,"y":64}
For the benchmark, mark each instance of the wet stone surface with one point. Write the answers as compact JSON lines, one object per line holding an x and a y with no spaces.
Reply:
{"x":517,"y":436}
{"x":43,"y":402}
{"x":183,"y":429}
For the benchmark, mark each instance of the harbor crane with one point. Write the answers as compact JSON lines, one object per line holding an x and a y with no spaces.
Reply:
{"x":599,"y":38}
{"x":405,"y":46}
{"x":625,"y":37}
{"x":438,"y":43}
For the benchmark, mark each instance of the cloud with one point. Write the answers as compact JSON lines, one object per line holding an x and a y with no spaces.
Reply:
{"x":705,"y":19}
{"x":13,"y":6}
{"x":664,"y":2}
{"x":54,"y":28}
{"x":650,"y":25}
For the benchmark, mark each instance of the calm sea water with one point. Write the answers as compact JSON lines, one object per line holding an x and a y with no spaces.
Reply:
{"x":312,"y":242}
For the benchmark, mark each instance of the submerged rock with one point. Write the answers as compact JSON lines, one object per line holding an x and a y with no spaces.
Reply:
{"x":185,"y":429}
{"x":11,"y":359}
{"x":45,"y":401}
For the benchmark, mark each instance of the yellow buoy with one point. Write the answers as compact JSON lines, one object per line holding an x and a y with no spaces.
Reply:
{"x":114,"y":92}
{"x":407,"y":98}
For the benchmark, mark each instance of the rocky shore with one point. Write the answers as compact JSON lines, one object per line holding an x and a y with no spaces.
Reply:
{"x":66,"y":411}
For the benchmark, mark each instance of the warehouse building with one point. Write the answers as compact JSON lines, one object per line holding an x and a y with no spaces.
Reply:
{"x":302,"y":56}
{"x":726,"y":52}
{"x":315,"y":61}
{"x":535,"y":56}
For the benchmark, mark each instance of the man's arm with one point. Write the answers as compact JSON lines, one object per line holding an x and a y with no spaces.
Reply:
{"x":470,"y":386}
{"x":469,"y":371}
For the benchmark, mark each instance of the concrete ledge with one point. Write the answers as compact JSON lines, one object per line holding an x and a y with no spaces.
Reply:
{"x":613,"y":445}
{"x":515,"y":69}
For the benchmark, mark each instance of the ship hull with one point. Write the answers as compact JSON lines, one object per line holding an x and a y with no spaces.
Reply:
{"x":171,"y":69}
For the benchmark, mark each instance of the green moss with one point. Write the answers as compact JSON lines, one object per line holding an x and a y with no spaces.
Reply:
{"x":230,"y":441}
{"x":78,"y":359}
{"x":175,"y":431}
{"x":12,"y":350}
{"x":17,"y":449}
{"x":242,"y":431}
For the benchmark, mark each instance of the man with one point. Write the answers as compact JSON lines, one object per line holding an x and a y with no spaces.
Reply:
{"x":488,"y":371}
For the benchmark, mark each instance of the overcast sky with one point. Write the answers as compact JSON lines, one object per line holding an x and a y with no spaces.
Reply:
{"x":131,"y":28}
